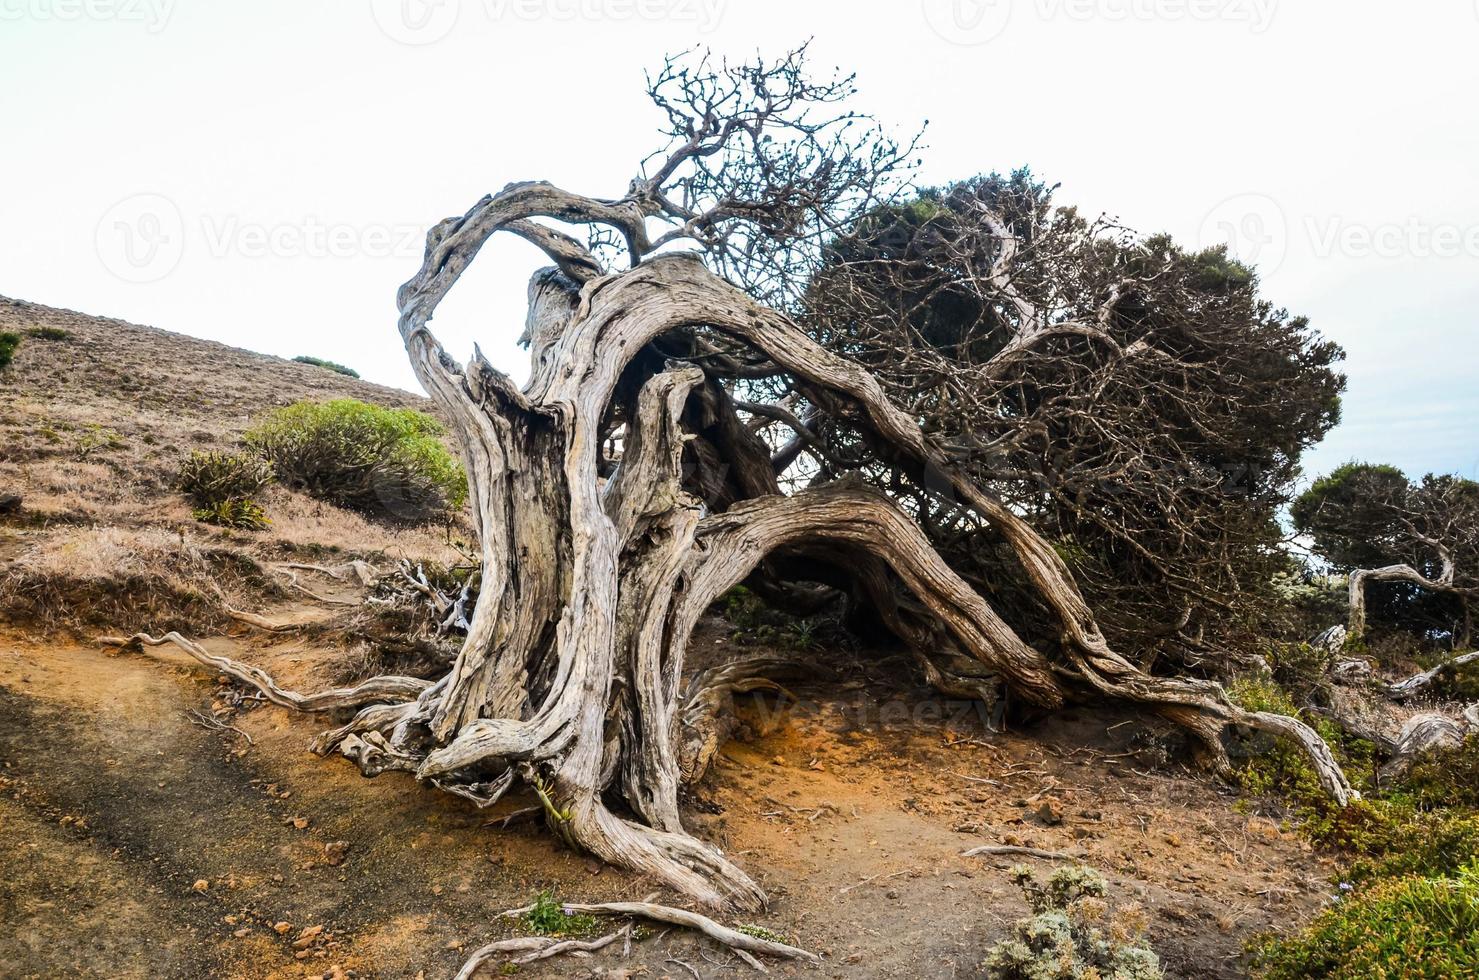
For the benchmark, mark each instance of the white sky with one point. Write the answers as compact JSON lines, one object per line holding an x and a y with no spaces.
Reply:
{"x":290,"y":154}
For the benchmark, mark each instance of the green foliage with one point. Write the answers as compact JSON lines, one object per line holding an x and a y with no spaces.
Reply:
{"x":1071,"y":935}
{"x":1273,"y":766}
{"x":334,"y":366}
{"x":1351,"y":513}
{"x":1408,"y":927}
{"x":757,"y":623}
{"x":548,"y":918}
{"x":47,"y":333}
{"x":211,"y":478}
{"x":8,"y":343}
{"x":378,"y":460}
{"x":1448,"y":778}
{"x":246,"y":515}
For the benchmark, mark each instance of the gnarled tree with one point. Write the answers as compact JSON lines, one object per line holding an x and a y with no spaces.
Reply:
{"x":1411,"y":549}
{"x":624,"y":488}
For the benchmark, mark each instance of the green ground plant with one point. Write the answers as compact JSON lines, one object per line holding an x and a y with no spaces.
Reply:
{"x":1072,"y":933}
{"x":1410,"y":927}
{"x":548,"y":917}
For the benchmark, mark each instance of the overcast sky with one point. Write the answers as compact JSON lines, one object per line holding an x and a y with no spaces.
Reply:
{"x":261,"y":173}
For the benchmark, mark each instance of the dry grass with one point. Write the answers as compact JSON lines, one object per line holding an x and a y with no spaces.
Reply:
{"x":79,"y":578}
{"x":93,"y":427}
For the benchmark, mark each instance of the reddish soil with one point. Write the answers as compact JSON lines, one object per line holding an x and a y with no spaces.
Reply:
{"x":116,"y":806}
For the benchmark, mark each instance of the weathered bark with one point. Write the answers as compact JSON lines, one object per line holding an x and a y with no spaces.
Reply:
{"x":594,"y":577}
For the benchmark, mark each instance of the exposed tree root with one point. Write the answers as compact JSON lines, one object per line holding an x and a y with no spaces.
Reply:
{"x":388,"y":688}
{"x":1427,"y":732}
{"x":1418,"y":683}
{"x":742,"y":943}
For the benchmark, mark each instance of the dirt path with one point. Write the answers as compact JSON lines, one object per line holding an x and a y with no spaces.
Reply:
{"x":114,"y":806}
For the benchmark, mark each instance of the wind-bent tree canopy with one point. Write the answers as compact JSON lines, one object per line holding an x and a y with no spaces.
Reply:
{"x":624,"y":488}
{"x":1411,"y":549}
{"x":1139,"y":405}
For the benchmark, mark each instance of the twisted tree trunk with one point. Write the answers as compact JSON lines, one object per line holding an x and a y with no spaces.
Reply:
{"x":593,"y":579}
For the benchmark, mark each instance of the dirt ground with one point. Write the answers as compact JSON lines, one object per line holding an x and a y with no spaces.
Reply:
{"x":116,"y":807}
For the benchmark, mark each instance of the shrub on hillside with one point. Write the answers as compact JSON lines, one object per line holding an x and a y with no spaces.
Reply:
{"x":1409,"y":927}
{"x":378,"y":460}
{"x":8,"y":343}
{"x":47,"y":333}
{"x":1071,"y":934}
{"x":330,"y":365}
{"x":211,"y":478}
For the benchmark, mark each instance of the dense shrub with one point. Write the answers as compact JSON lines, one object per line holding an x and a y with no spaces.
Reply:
{"x":378,"y":460}
{"x":211,"y":478}
{"x":330,"y":365}
{"x":1071,"y":934}
{"x":8,"y":343}
{"x":1409,"y":927}
{"x":1447,"y":778}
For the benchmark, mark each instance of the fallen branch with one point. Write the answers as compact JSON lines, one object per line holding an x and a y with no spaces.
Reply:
{"x":212,"y":723}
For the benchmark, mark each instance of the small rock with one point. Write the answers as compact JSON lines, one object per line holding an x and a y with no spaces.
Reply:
{"x":201,"y":885}
{"x":242,"y":933}
{"x":336,"y":851}
{"x":282,"y":928}
{"x":301,"y":823}
{"x":778,"y":761}
{"x":892,"y":893}
{"x":1050,"y":812}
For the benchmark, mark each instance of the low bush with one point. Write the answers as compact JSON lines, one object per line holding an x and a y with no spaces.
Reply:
{"x":1071,"y":934}
{"x":1409,"y":927}
{"x":8,"y":343}
{"x":47,"y":333}
{"x":387,"y":461}
{"x":1273,"y":766}
{"x":214,"y":478}
{"x":244,"y":515}
{"x":334,"y":366}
